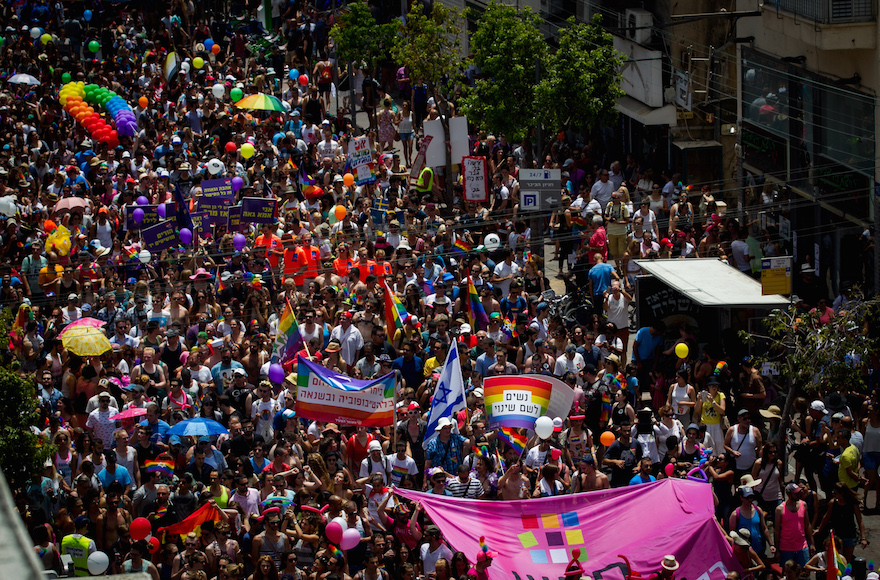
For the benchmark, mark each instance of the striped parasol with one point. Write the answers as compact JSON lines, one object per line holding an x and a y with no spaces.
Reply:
{"x":261,"y":102}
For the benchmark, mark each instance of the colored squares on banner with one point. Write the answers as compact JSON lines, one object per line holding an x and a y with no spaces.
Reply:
{"x":570,"y":520}
{"x":550,"y":520}
{"x":559,"y":556}
{"x":539,"y":556}
{"x":530,"y":522}
{"x":555,"y":539}
{"x":583,"y":557}
{"x":528,"y":540}
{"x":574,"y":537}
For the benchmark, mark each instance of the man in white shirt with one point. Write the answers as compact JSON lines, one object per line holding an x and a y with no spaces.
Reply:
{"x":572,"y":362}
{"x":433,"y":550}
{"x":602,"y":189}
{"x":349,"y":338}
{"x":505,"y":272}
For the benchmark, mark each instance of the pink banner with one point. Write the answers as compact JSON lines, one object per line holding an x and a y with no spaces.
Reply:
{"x":535,"y":538}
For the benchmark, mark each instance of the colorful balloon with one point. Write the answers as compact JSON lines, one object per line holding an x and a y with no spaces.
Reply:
{"x":139,"y":529}
{"x":276,"y":373}
{"x":303,"y":79}
{"x":544,"y":427}
{"x":46,"y":38}
{"x":198,"y":62}
{"x":87,"y":15}
{"x":215,"y":50}
{"x":186,"y":236}
{"x":237,"y":183}
{"x":334,"y":532}
{"x":144,"y":256}
{"x":607,"y":438}
{"x":98,"y":563}
{"x":142,"y":200}
{"x":208,"y":43}
{"x":350,"y":539}
{"x":348,"y":179}
{"x":94,"y":46}
{"x":247,"y":150}
{"x":237,"y":94}
{"x":669,"y":469}
{"x":230,"y":147}
{"x":239,"y":242}
{"x":681,"y":350}
{"x":340,"y":212}
{"x":138,"y":215}
{"x":218,"y":90}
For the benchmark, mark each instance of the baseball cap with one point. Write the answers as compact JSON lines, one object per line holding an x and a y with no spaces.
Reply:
{"x":747,"y":491}
{"x":792,"y":488}
{"x":239,"y":372}
{"x":204,"y":439}
{"x":465,"y":328}
{"x":374,"y":446}
{"x":81,"y":521}
{"x":818,"y":406}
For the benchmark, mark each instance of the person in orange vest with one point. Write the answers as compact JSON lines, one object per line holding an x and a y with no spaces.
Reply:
{"x":272,"y":243}
{"x":295,"y":263}
{"x":343,"y":263}
{"x":313,"y":260}
{"x":365,"y":266}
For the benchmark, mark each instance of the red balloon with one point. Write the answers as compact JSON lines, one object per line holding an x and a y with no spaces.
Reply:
{"x":139,"y":529}
{"x":230,"y":147}
{"x":154,"y":545}
{"x":303,"y":80}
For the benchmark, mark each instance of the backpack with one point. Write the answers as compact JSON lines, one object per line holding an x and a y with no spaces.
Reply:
{"x":326,"y":74}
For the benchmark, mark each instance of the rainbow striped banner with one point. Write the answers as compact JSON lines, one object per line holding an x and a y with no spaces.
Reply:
{"x":161,"y":466}
{"x":518,"y":400}
{"x":329,"y":397}
{"x":476,"y":312}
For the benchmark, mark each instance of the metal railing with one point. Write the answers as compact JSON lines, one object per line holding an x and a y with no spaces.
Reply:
{"x":829,"y":11}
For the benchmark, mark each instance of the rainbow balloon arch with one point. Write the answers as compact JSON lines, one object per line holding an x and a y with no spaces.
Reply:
{"x":80,"y":100}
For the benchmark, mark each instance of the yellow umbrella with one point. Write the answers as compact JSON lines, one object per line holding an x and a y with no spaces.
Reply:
{"x":86,"y":341}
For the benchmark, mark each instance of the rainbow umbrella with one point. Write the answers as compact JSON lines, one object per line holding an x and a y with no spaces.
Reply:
{"x":261,"y":102}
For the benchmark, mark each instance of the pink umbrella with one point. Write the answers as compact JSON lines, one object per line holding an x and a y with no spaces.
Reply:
{"x":85,"y":321}
{"x":130,"y":413}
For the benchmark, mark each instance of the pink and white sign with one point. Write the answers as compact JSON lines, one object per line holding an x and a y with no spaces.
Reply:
{"x":535,"y":538}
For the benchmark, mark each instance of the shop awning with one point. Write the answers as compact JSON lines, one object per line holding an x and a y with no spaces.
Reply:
{"x":710,"y":282}
{"x":639,"y":111}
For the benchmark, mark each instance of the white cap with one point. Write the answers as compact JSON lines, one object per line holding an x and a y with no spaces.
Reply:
{"x":818,"y":406}
{"x":374,"y":446}
{"x":464,"y":328}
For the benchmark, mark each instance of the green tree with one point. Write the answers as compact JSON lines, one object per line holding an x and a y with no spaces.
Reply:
{"x":21,"y":451}
{"x":813,"y":357}
{"x":582,"y":80}
{"x":429,"y":46}
{"x":509,"y":50}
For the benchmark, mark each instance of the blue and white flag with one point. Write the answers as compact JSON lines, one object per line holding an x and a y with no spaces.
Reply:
{"x":449,"y":396}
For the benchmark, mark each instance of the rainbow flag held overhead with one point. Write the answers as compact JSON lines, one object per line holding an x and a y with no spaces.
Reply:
{"x":499,"y":462}
{"x":395,"y":313}
{"x":206,"y":513}
{"x":579,"y":224}
{"x":289,"y":340}
{"x":461,"y":247}
{"x":515,"y":440}
{"x":309,"y":185}
{"x":835,"y":565}
{"x":509,"y":328}
{"x":161,"y":466}
{"x":291,"y":164}
{"x":477,"y":314}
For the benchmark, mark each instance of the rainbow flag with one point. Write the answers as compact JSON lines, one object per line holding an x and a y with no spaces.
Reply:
{"x":291,"y":164}
{"x":161,"y":512}
{"x":162,"y":466}
{"x":579,"y":224}
{"x":277,"y":501}
{"x":193,"y":523}
{"x":518,"y":400}
{"x":289,"y":340}
{"x":509,"y":328}
{"x":395,"y":313}
{"x":476,"y":313}
{"x":461,"y":247}
{"x":309,"y":185}
{"x":499,"y":462}
{"x":835,"y":565}
{"x":515,"y":440}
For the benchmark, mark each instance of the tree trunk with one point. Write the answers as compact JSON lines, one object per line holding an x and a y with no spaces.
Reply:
{"x":785,"y":426}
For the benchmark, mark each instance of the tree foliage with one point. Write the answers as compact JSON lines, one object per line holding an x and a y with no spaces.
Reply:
{"x":21,"y":451}
{"x":359,"y":37}
{"x":582,"y":80}
{"x":507,"y":47}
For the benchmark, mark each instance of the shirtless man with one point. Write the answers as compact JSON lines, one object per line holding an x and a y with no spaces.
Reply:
{"x":587,"y":478}
{"x":514,"y":484}
{"x":108,"y":523}
{"x":328,"y":278}
{"x":254,"y":359}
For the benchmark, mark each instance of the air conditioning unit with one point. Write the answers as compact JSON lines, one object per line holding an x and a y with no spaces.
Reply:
{"x":638,"y":25}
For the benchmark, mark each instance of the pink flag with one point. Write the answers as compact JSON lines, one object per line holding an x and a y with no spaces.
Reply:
{"x":535,"y":538}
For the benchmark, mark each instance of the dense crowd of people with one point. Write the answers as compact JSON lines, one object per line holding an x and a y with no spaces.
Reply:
{"x":192,"y":329}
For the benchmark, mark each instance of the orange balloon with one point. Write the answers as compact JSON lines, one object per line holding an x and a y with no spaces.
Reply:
{"x":215,"y":49}
{"x":143,"y":102}
{"x":340,"y":212}
{"x":81,"y":116}
{"x":607,"y":438}
{"x":348,"y":179}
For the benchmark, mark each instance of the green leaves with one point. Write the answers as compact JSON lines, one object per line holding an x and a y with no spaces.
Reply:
{"x":21,"y":456}
{"x":430,"y":45}
{"x":359,"y":37}
{"x":582,"y":80}
{"x":509,"y":50}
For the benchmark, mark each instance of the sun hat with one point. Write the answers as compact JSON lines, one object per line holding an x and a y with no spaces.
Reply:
{"x":742,"y":537}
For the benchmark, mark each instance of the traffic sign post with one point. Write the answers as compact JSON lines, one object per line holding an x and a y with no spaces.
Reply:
{"x":540,"y":193}
{"x":776,"y":275}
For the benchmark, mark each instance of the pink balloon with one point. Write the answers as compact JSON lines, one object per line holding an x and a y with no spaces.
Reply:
{"x":350,"y":538}
{"x":669,"y":469}
{"x":334,"y":532}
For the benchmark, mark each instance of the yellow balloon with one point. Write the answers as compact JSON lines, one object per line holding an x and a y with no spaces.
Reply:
{"x":681,"y":350}
{"x":247,"y":150}
{"x":198,"y":62}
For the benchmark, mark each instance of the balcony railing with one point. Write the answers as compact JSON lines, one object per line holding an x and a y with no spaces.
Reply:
{"x":829,"y":11}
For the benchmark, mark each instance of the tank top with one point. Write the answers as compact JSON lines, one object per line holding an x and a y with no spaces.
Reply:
{"x":172,"y":357}
{"x":618,"y":415}
{"x":105,"y":234}
{"x":679,"y":394}
{"x":305,"y":554}
{"x":745,"y":445}
{"x":753,"y":525}
{"x":223,"y":498}
{"x":62,"y":465}
{"x":769,"y":490}
{"x":793,"y":538}
{"x":273,"y":549}
{"x":67,"y":289}
{"x":872,"y":439}
{"x":406,"y":124}
{"x":843,"y":520}
{"x":655,"y":206}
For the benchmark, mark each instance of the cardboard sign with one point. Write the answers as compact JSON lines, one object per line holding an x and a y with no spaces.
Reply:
{"x":161,"y":236}
{"x":217,"y":208}
{"x":361,"y":160}
{"x":258,"y":210}
{"x":217,"y":187}
{"x":151,"y":217}
{"x":458,"y":146}
{"x":476,"y":178}
{"x":419,"y":160}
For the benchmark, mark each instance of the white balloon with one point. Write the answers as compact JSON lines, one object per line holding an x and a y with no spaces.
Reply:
{"x":215,"y":166}
{"x":544,"y":427}
{"x":341,"y":521}
{"x":144,"y":256}
{"x":35,"y":32}
{"x":184,"y":67}
{"x":219,"y":90}
{"x":492,"y":242}
{"x":98,"y":563}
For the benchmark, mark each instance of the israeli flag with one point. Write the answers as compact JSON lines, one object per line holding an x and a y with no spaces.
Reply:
{"x":449,"y":396}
